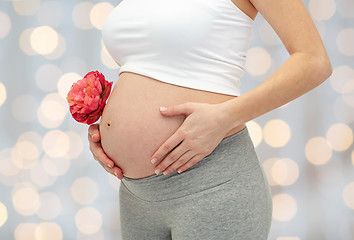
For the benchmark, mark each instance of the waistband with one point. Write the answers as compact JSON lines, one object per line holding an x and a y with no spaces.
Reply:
{"x":233,"y":156}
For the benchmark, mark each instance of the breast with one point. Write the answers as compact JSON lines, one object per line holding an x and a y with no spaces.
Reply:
{"x":132,"y":128}
{"x":204,"y":41}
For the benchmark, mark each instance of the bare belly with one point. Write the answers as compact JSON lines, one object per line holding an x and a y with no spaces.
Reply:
{"x":132,"y":128}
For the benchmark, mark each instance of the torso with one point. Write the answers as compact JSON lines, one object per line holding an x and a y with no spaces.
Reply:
{"x":132,"y":128}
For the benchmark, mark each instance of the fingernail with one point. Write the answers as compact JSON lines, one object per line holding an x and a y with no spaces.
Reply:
{"x":163,"y":109}
{"x":157,"y":171}
{"x":166,"y":172}
{"x":94,"y":135}
{"x":154,"y":160}
{"x":179,"y":171}
{"x":115,"y":174}
{"x":109,"y":165}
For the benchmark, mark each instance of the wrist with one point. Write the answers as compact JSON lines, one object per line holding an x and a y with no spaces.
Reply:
{"x":230,"y":114}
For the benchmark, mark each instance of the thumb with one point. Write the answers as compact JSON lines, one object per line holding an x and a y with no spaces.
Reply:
{"x":94,"y":132}
{"x":181,"y":109}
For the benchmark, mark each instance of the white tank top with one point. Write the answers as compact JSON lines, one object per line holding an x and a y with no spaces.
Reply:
{"x":199,"y":44}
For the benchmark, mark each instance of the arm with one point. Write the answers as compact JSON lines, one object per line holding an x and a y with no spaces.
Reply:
{"x":307,"y":67}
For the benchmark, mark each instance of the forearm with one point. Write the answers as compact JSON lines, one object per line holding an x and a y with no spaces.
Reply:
{"x":299,"y":74}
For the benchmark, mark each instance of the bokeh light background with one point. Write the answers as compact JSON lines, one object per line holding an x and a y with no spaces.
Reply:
{"x":52,"y":188}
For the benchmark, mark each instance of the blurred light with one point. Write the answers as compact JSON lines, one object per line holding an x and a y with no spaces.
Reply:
{"x":268,"y":165}
{"x":3,"y":214}
{"x":76,"y":145}
{"x":24,"y":108}
{"x":258,"y":61}
{"x":284,"y":207}
{"x":33,"y":137}
{"x":44,"y":39}
{"x":27,"y":150}
{"x":10,"y":180}
{"x":48,"y":230}
{"x":80,"y":15}
{"x":340,"y":136}
{"x":59,"y":50}
{"x":5,"y":25}
{"x":99,"y":12}
{"x":268,"y":35}
{"x":322,"y":9}
{"x":50,"y":206}
{"x":3,"y":95}
{"x":7,"y":167}
{"x":348,"y":195}
{"x":53,"y":107}
{"x":345,"y":41}
{"x":56,"y":143}
{"x":50,"y":13}
{"x":47,"y":77}
{"x":64,"y":84}
{"x":346,"y":8}
{"x":26,"y":201}
{"x":56,"y":166}
{"x":342,"y":79}
{"x":25,"y":43}
{"x":25,"y":231}
{"x":285,"y":171}
{"x":25,"y":154}
{"x":255,"y":132}
{"x":74,"y":64}
{"x":107,"y":59}
{"x":96,"y":236}
{"x":88,"y":220}
{"x":318,"y":151}
{"x":288,"y":238}
{"x":84,"y":190}
{"x":276,"y":133}
{"x":40,"y":177}
{"x":26,"y":8}
{"x":52,"y":111}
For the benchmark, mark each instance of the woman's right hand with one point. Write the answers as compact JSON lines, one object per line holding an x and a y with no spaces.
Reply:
{"x":94,"y":138}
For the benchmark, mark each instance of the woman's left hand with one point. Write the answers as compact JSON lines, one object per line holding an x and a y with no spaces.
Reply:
{"x":202,"y":130}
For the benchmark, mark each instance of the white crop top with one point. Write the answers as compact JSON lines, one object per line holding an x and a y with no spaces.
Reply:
{"x":199,"y":44}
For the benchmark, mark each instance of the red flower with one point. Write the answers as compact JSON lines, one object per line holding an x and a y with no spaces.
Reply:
{"x":87,"y":97}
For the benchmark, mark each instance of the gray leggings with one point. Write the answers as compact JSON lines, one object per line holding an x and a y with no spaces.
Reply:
{"x":225,"y":196}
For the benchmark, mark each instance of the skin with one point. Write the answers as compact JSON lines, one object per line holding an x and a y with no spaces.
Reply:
{"x":206,"y":125}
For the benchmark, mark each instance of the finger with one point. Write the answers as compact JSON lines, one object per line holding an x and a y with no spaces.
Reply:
{"x":180,"y":162}
{"x":109,"y":170}
{"x":94,"y":132}
{"x":190,"y":163}
{"x":172,"y":157}
{"x":109,"y":164}
{"x":167,"y":146}
{"x":100,"y":155}
{"x":118,"y":172}
{"x":181,"y":109}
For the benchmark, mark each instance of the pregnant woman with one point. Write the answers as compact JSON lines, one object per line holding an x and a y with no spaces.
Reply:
{"x":189,"y":169}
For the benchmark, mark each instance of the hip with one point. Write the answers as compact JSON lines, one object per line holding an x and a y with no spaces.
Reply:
{"x":233,"y":166}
